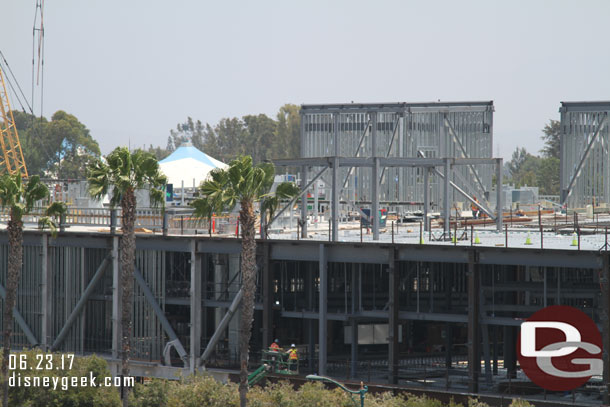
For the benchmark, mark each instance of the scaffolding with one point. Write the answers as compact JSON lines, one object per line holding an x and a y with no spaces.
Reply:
{"x":585,"y":173}
{"x":402,"y":130}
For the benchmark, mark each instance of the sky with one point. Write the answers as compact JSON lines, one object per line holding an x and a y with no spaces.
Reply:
{"x":131,"y":70}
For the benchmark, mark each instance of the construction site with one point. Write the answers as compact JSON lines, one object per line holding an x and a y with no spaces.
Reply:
{"x":403,"y":262}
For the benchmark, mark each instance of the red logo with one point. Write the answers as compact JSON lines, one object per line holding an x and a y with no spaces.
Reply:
{"x":560,"y":348}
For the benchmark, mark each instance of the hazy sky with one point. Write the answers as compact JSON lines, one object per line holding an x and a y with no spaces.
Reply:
{"x":130,"y":70}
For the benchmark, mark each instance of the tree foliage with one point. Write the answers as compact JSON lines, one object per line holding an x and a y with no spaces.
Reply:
{"x":552,"y":139}
{"x":259,"y":136}
{"x":60,"y":148}
{"x":528,"y":170}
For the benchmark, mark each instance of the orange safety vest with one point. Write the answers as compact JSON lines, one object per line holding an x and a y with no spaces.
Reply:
{"x":274,"y":346}
{"x":293,"y":354}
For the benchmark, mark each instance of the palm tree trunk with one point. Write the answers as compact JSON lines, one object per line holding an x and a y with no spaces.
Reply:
{"x":127,"y":256}
{"x":15,"y":258}
{"x":248,"y":272}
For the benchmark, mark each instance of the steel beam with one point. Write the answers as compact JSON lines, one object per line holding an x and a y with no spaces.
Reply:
{"x":335,"y":200}
{"x":267,"y":295}
{"x":374,"y":220}
{"x":322,"y":325}
{"x":304,"y":202}
{"x":46,"y":294}
{"x":99,"y":273}
{"x":499,"y":203}
{"x":447,"y":200}
{"x":20,"y":320}
{"x":161,"y":316}
{"x":431,"y":107}
{"x":222,"y":326}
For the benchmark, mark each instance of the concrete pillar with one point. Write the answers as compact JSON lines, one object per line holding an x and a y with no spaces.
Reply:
{"x":304,"y":203}
{"x":474,"y":361}
{"x":393,"y":318}
{"x":322,"y":330}
{"x":196,"y":308}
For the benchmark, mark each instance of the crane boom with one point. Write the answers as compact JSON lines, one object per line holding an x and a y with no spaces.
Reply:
{"x":11,"y":159}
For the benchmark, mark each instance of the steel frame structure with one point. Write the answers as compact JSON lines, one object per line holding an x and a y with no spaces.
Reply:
{"x":584,"y":144}
{"x":69,"y":293}
{"x":402,"y":130}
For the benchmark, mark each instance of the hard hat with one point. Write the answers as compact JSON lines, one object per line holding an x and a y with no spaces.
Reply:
{"x":293,"y":345}
{"x":277,"y":341}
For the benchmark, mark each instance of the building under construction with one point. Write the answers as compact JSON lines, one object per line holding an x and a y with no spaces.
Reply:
{"x":433,"y":305}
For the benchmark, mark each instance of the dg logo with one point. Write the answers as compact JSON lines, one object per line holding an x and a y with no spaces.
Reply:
{"x":560,"y":348}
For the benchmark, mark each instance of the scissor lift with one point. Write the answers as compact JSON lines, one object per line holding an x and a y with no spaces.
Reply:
{"x":276,"y":362}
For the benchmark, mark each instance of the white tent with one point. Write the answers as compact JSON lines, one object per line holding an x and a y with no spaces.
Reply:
{"x":189,"y":165}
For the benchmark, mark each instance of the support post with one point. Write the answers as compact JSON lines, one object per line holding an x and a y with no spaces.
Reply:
{"x":354,"y":327}
{"x":267,"y":297}
{"x":335,"y":200}
{"x":46,"y":295}
{"x":446,"y":200}
{"x":426,"y":196}
{"x":474,"y":362}
{"x":499,"y":203}
{"x":304,"y":203}
{"x":393,"y":318}
{"x":196,"y":307}
{"x":116,"y":299}
{"x":322,"y":330}
{"x":374,"y":220}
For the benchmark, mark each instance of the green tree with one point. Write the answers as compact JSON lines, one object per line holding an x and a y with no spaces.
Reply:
{"x":189,"y":131}
{"x":207,"y":207}
{"x":59,"y":148}
{"x":122,"y":174}
{"x":260,"y":137}
{"x":19,"y":199}
{"x":288,"y":132}
{"x":548,"y":176}
{"x":552,"y":139}
{"x":243,"y":183}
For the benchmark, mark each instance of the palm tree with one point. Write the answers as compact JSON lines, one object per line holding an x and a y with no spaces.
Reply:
{"x":19,"y":199}
{"x":206,"y":208}
{"x":123,"y":173}
{"x":245,"y":184}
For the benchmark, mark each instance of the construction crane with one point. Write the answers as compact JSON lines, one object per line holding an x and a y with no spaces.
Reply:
{"x":11,"y":160}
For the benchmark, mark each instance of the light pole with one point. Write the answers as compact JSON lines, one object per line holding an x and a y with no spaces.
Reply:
{"x":363,"y":389}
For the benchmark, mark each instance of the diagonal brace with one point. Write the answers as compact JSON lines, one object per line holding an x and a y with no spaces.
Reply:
{"x":20,"y":321}
{"x":161,"y":315}
{"x":81,"y":303}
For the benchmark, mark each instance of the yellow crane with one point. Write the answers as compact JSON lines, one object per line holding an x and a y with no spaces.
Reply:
{"x":11,"y":159}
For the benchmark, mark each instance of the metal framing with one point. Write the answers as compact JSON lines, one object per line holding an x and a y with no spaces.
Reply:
{"x":401,"y":130}
{"x":178,"y":276}
{"x":585,"y":172}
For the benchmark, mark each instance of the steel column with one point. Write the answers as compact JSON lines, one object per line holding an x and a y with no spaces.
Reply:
{"x":222,"y":326}
{"x":474,"y":362}
{"x":335,"y":199}
{"x":46,"y":295}
{"x":322,"y":327}
{"x":267,"y":296}
{"x":374,"y":219}
{"x":116,"y":298}
{"x":426,"y":196}
{"x":394,"y":306}
{"x":196,"y":307}
{"x":447,"y":200}
{"x":499,"y":203}
{"x":304,"y":203}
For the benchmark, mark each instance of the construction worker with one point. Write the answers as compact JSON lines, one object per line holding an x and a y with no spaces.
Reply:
{"x":275,"y":346}
{"x":293,"y":357}
{"x":475,"y":209}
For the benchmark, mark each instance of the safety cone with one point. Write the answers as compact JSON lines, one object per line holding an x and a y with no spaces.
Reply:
{"x":528,"y":240}
{"x":476,"y":238}
{"x":421,"y":240}
{"x":574,"y":239}
{"x":454,"y":239}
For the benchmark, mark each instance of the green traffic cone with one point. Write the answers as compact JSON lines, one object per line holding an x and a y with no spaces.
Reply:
{"x":454,"y":239}
{"x":574,"y":239}
{"x":528,"y":240}
{"x":476,"y":238}
{"x":421,"y":240}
